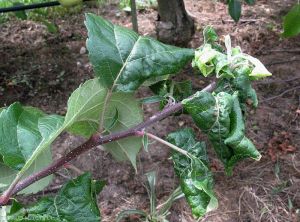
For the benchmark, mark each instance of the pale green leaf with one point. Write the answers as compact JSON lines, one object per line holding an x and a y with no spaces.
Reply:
{"x":7,"y":175}
{"x":130,"y":114}
{"x":85,"y":106}
{"x":259,"y":70}
{"x":26,"y":133}
{"x":204,"y":59}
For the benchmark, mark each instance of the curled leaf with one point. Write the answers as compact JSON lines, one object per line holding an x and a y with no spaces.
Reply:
{"x":220,"y":116}
{"x":76,"y":201}
{"x":195,"y":177}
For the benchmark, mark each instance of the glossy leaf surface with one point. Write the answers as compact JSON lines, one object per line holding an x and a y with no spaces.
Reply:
{"x":235,"y":9}
{"x":195,"y":177}
{"x":123,"y":60}
{"x":217,"y":117}
{"x":76,"y":201}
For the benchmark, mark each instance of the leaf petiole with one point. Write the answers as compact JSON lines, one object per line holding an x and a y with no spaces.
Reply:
{"x":172,"y":146}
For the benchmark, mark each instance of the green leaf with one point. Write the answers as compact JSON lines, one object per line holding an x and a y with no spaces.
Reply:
{"x":125,"y":213}
{"x":241,"y":84}
{"x":151,"y":177}
{"x":177,"y":90}
{"x":291,"y":22}
{"x":221,"y":118}
{"x":204,"y":59}
{"x":20,"y":14}
{"x":114,"y":120}
{"x":175,"y":195}
{"x":19,"y":134}
{"x":7,"y":175}
{"x":195,"y":177}
{"x":235,"y":8}
{"x":123,"y":60}
{"x":145,"y":142}
{"x":210,"y":35}
{"x":130,"y":114}
{"x":51,"y":27}
{"x":85,"y":107}
{"x":76,"y":201}
{"x":152,"y":99}
{"x":259,"y":71}
{"x":26,"y":133}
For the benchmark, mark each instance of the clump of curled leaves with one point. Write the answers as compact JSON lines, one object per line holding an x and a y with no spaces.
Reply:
{"x":105,"y":110}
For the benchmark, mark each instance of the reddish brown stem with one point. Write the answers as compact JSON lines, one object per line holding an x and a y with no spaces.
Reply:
{"x":95,"y":140}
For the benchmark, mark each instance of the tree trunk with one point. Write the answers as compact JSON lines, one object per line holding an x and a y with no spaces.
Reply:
{"x":174,"y":25}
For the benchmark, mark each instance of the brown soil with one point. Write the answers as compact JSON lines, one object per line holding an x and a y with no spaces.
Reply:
{"x":42,"y":69}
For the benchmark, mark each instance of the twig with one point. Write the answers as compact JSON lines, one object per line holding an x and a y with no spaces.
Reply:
{"x":134,"y":16}
{"x":242,"y":20}
{"x":282,"y":62}
{"x":281,"y":94}
{"x":95,"y":140}
{"x":283,"y":50}
{"x":275,"y":81}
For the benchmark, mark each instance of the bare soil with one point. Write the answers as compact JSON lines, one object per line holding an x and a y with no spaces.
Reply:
{"x":42,"y":69}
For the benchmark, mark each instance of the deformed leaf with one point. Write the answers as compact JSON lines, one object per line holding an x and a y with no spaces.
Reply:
{"x":241,"y":84}
{"x":195,"y":177}
{"x":241,"y":145}
{"x":259,"y":71}
{"x":123,"y":60}
{"x":76,"y":201}
{"x":220,"y":117}
{"x":171,"y":89}
{"x":204,"y":59}
{"x":210,"y":35}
